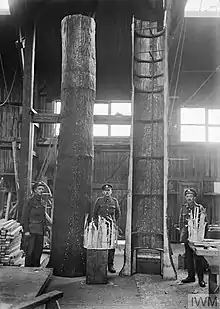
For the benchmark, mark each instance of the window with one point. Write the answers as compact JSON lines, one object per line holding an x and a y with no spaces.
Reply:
{"x":104,"y":108}
{"x":4,"y":7}
{"x":120,"y":130}
{"x":202,"y":8}
{"x":199,"y":125}
{"x":112,"y":108}
{"x":100,"y":130}
{"x":121,"y":109}
{"x":57,"y":110}
{"x":100,"y":109}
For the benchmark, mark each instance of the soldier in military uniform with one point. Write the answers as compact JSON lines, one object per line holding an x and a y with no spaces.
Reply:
{"x":34,"y":226}
{"x":190,"y":205}
{"x":107,"y":207}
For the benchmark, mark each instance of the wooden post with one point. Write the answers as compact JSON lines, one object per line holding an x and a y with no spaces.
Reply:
{"x":168,"y":266}
{"x":127,"y":267}
{"x":73,"y":185}
{"x":27,"y":130}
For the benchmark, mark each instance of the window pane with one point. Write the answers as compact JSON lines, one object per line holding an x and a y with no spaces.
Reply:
{"x":4,"y":7}
{"x":57,"y":107}
{"x":214,"y":116}
{"x":57,"y":129}
{"x":120,"y":130}
{"x":192,"y":134}
{"x":214,"y":134}
{"x":100,"y":130}
{"x":100,"y":109}
{"x":192,"y":115}
{"x":203,"y":5}
{"x":121,"y":108}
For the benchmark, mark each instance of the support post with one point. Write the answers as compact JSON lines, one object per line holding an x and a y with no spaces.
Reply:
{"x":169,"y":271}
{"x":73,"y":184}
{"x":27,"y":129}
{"x":127,"y":267}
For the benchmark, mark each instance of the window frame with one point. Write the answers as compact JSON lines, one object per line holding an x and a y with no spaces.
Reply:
{"x":206,"y":125}
{"x":109,"y":102}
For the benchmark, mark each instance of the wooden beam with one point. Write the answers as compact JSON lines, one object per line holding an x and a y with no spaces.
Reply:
{"x":27,"y":128}
{"x":169,"y":271}
{"x":35,"y":302}
{"x":98,"y":119}
{"x":127,"y":266}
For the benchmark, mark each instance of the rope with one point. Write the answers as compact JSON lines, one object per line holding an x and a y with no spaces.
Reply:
{"x":3,"y":73}
{"x":176,"y":55}
{"x":10,"y":91}
{"x":178,"y":75}
{"x":200,"y":87}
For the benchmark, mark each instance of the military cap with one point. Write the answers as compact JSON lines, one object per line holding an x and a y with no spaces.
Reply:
{"x":37,"y":184}
{"x":191,"y":191}
{"x":106,"y":186}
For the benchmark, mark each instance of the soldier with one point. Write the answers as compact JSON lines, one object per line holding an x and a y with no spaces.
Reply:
{"x":107,"y":207}
{"x":34,"y":225}
{"x":190,"y":205}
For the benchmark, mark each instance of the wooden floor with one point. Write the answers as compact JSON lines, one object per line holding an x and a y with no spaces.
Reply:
{"x":21,"y":283}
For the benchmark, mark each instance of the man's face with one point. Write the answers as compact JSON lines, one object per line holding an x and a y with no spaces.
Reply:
{"x":190,"y":198}
{"x":107,"y":192}
{"x":39,"y":190}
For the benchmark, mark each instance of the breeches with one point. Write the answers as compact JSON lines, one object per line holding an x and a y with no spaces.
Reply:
{"x":111,"y":255}
{"x":34,"y":249}
{"x":195,"y":264}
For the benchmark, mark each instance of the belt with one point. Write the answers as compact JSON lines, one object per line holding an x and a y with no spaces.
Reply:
{"x":36,"y":221}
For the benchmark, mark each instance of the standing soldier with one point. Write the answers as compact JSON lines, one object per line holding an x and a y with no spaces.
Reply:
{"x":34,"y":225}
{"x":107,"y":207}
{"x":190,"y":205}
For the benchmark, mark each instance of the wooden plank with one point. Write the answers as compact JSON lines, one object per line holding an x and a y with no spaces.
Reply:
{"x":8,"y":205}
{"x":127,"y":266}
{"x":21,"y":283}
{"x":98,"y":119}
{"x":15,"y":162}
{"x":169,"y":271}
{"x":27,"y":129}
{"x":39,"y":300}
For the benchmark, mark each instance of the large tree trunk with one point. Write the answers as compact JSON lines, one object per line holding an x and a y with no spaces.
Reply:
{"x":73,"y":185}
{"x":147,"y":220}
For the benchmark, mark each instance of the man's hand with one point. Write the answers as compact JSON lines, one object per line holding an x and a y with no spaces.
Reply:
{"x":27,"y":234}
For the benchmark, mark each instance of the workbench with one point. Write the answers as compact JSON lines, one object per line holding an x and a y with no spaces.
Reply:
{"x":18,"y":284}
{"x":210,"y":250}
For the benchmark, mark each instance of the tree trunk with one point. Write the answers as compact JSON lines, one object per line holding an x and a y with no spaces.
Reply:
{"x":73,"y":184}
{"x":148,"y":153}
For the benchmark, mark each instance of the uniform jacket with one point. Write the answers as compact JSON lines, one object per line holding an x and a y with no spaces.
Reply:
{"x":107,"y":207}
{"x":34,"y":218}
{"x":183,"y":219}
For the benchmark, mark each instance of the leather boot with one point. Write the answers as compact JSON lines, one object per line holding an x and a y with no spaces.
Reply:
{"x":188,"y":280}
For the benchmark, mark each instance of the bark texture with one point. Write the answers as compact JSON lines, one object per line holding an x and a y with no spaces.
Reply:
{"x":148,"y":146}
{"x":73,"y":186}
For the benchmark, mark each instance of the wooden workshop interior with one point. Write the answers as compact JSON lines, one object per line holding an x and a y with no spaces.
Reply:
{"x":31,"y":105}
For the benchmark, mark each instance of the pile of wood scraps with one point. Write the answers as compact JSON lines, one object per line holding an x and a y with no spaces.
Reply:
{"x":10,"y":242}
{"x":100,"y":235}
{"x":196,"y":225}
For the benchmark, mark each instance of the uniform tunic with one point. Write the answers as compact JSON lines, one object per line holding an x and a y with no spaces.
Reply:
{"x":34,"y":219}
{"x":34,"y":222}
{"x":107,"y":207}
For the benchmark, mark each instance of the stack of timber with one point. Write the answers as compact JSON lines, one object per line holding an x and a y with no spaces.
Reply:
{"x":196,"y":225}
{"x":100,"y":235}
{"x":10,"y":241}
